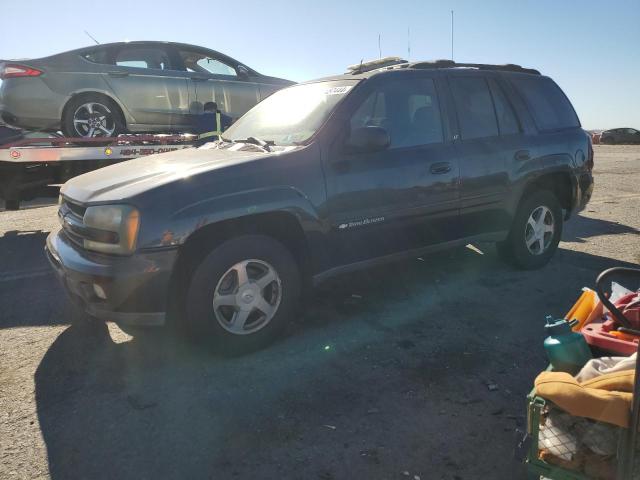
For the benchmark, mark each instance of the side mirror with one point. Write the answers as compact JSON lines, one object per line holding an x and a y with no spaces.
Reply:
{"x":243,"y":72}
{"x":368,"y":139}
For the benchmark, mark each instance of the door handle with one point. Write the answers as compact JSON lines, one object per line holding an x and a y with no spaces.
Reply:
{"x":198,"y":79}
{"x":440,"y":168}
{"x":522,"y":155}
{"x":118,"y":74}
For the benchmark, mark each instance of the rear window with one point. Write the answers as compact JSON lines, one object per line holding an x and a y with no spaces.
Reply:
{"x":476,"y":115}
{"x":549,"y":106}
{"x":143,"y":57}
{"x":507,"y":121}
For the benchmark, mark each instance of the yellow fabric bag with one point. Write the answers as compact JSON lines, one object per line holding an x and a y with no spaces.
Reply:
{"x":606,"y":398}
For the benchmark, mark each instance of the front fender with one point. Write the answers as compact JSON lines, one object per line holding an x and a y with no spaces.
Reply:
{"x":189,"y":219}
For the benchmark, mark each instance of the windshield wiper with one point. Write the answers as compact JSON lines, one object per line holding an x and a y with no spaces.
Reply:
{"x":257,"y":141}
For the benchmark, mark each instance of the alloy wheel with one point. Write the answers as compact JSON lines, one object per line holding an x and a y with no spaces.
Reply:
{"x":539,"y":230}
{"x":93,"y":120}
{"x":247,"y":297}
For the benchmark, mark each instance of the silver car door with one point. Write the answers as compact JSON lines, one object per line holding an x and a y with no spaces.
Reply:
{"x":233,"y":96}
{"x":155,"y":95}
{"x":217,"y":80}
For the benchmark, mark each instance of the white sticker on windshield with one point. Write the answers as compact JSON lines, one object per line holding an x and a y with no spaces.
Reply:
{"x":337,"y":90}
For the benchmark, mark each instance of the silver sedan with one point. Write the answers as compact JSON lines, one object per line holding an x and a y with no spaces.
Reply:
{"x":136,"y":87}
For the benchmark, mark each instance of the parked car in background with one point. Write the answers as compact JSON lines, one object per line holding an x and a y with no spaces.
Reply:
{"x":323,"y":178}
{"x":137,"y":87}
{"x":620,"y":135}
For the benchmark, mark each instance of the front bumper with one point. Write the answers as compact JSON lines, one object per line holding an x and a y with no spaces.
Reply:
{"x":135,"y":287}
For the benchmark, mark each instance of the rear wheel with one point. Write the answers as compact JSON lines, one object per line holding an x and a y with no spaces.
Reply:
{"x":243,"y":294}
{"x":91,"y":116}
{"x":608,"y":141}
{"x":535,"y":232}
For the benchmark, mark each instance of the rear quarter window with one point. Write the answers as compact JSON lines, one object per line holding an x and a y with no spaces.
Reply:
{"x":99,"y":55}
{"x":548,"y":104}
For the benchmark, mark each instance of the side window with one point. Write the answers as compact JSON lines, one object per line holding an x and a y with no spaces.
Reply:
{"x":407,"y":109}
{"x":142,"y":57}
{"x":203,"y":63}
{"x":371,"y":113}
{"x":507,"y":121}
{"x":476,"y":115}
{"x":98,"y":55}
{"x":549,"y":106}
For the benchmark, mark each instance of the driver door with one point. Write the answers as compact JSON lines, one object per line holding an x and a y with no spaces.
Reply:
{"x":216,"y":80}
{"x":403,"y":197}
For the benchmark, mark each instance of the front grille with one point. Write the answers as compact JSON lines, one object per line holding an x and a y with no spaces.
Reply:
{"x":76,"y":209}
{"x":71,"y":214}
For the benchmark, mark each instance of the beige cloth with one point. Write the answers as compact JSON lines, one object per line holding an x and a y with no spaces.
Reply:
{"x":600,"y":366}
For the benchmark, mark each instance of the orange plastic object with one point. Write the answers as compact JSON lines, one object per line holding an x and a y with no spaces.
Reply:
{"x":585,"y":309}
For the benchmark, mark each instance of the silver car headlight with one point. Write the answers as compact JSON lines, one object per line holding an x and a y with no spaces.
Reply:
{"x":111,"y":229}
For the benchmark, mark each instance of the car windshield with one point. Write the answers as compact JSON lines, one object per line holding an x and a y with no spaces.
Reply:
{"x":291,"y":116}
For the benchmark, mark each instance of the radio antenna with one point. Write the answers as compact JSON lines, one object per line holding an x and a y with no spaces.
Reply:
{"x":379,"y":48}
{"x":452,"y":35}
{"x":91,"y":37}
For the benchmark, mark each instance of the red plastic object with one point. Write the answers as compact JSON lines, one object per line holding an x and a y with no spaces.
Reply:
{"x":617,"y":343}
{"x":603,"y":333}
{"x":618,"y":331}
{"x":629,"y":305}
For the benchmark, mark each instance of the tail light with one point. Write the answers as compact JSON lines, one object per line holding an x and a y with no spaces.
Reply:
{"x":13,"y":70}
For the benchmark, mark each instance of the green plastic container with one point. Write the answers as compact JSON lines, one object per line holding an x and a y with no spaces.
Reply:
{"x":567,"y":350}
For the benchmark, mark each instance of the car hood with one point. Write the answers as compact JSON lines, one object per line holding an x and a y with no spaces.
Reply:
{"x":130,"y":178}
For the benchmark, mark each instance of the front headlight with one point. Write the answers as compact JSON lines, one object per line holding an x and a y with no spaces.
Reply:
{"x":111,"y":229}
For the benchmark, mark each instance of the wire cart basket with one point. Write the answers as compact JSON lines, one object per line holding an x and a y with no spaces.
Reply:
{"x":619,"y":445}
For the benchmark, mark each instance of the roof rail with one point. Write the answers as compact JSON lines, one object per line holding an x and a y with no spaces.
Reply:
{"x":509,"y":67}
{"x":374,"y":64}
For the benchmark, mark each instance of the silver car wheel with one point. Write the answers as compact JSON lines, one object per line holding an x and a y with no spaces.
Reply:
{"x":538,"y":232}
{"x":93,"y":120}
{"x":247,"y":297}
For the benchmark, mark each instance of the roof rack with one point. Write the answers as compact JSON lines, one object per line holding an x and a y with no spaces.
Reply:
{"x":374,"y":65}
{"x":509,"y":67}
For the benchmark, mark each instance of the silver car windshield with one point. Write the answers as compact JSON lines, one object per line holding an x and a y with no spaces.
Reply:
{"x":290,"y":116}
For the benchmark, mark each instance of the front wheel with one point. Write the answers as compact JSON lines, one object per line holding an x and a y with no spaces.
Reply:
{"x":243,"y":294}
{"x":535,"y":232}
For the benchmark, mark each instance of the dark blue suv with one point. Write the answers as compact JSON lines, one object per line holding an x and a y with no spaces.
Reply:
{"x":391,"y":160}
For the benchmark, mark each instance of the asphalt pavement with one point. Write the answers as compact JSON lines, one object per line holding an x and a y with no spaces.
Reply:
{"x":417,"y":369}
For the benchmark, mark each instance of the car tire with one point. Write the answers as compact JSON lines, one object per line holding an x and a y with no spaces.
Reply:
{"x":240,"y":312}
{"x":94,"y":114}
{"x":608,"y":141}
{"x":530,"y":243}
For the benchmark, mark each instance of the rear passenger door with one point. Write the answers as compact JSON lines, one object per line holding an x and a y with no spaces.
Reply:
{"x":400,"y":198}
{"x":489,"y":143}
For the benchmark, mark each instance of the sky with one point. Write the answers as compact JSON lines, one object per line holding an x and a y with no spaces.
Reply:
{"x":590,"y":48}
